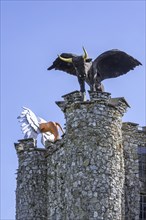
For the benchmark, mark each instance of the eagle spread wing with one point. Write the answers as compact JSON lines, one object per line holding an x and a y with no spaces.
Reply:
{"x":58,"y":64}
{"x":113,"y":63}
{"x":30,"y":125}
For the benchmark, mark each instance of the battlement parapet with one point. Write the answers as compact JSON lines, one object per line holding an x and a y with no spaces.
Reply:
{"x":86,"y":174}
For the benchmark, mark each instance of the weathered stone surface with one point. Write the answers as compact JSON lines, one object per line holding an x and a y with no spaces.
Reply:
{"x":91,"y":173}
{"x":31,"y":192}
{"x":132,"y":139}
{"x":87,"y":172}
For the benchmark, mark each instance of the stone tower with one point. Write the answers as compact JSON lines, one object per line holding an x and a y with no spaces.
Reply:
{"x":31,"y":192}
{"x":81,"y":176}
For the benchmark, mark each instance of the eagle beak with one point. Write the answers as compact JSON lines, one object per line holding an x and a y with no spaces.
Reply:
{"x":85,"y":56}
{"x":68,"y":60}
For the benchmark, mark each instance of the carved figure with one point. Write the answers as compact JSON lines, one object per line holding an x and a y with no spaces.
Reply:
{"x":109,"y":64}
{"x":31,"y":126}
{"x":52,"y":127}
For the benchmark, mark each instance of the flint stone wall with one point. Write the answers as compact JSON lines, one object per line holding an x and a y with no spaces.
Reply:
{"x":31,"y":192}
{"x":86,"y":175}
{"x":132,"y":139}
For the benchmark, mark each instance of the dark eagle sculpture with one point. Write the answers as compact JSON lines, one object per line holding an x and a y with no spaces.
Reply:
{"x":110,"y":64}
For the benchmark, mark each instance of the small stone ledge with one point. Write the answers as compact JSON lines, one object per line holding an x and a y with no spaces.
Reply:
{"x":142,"y":129}
{"x":99,"y":96}
{"x":25,"y":145}
{"x":118,"y":101}
{"x":130,"y":126}
{"x":61,"y":105}
{"x":52,"y":147}
{"x":73,"y":97}
{"x":69,"y":99}
{"x":28,"y":140}
{"x":133,"y":127}
{"x":28,"y":144}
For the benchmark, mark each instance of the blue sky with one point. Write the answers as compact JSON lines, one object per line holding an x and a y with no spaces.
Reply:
{"x":32,"y":34}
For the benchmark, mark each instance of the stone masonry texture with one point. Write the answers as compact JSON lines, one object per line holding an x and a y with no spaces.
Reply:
{"x":31,"y":192}
{"x":132,"y":139}
{"x":86,"y":175}
{"x":91,"y":173}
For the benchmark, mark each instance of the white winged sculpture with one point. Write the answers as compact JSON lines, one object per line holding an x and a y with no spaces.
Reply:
{"x":31,"y":126}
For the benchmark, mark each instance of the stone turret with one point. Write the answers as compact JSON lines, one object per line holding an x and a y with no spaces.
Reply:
{"x":86,"y":170}
{"x":81,"y":176}
{"x":31,"y":192}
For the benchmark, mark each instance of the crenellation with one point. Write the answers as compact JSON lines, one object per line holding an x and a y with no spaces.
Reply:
{"x":101,"y":97}
{"x":73,"y":97}
{"x":25,"y":144}
{"x":92,"y":173}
